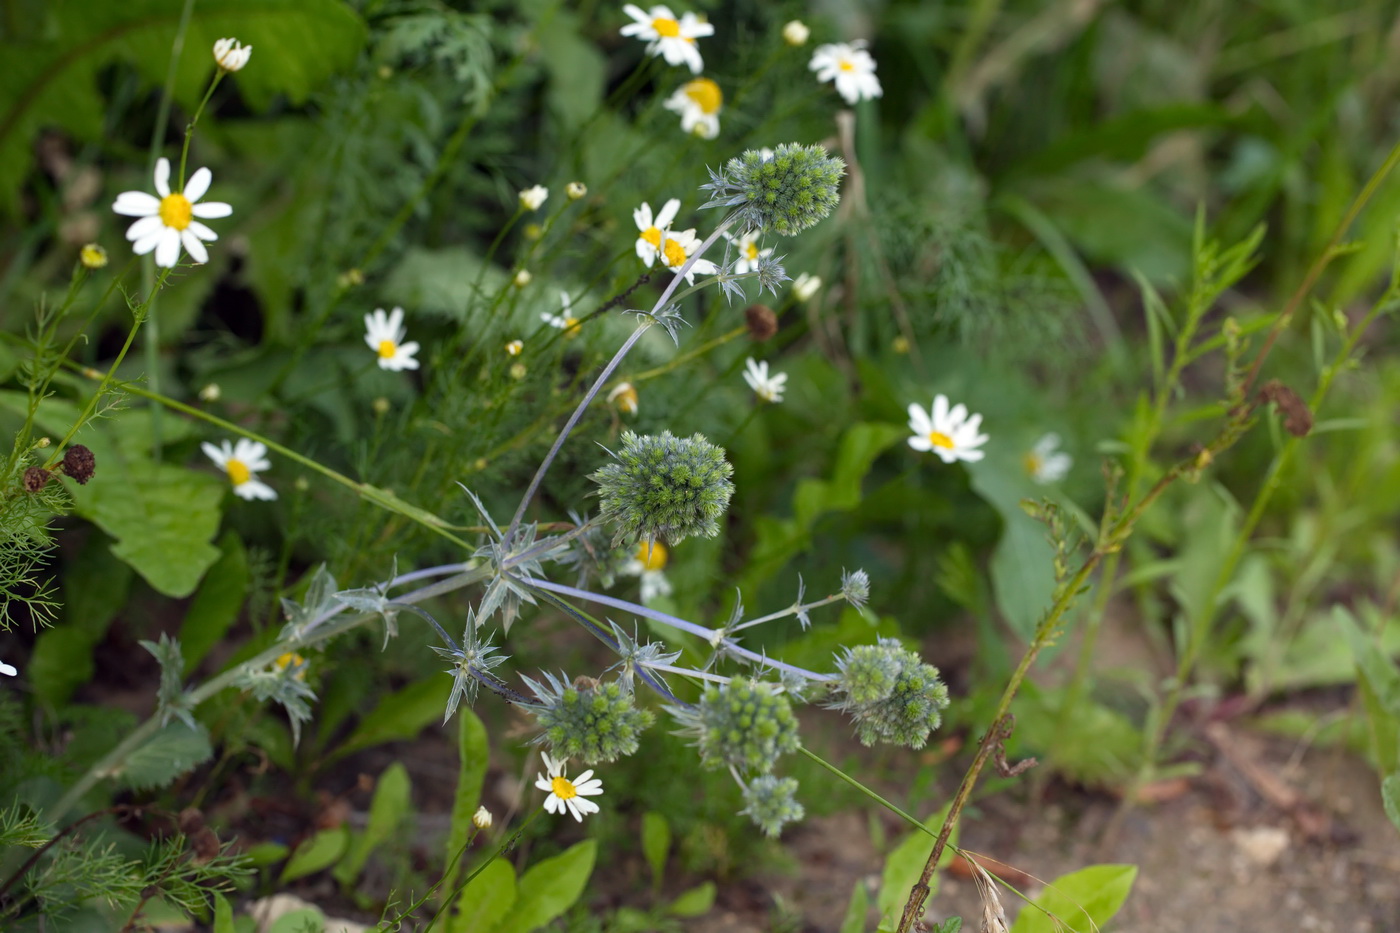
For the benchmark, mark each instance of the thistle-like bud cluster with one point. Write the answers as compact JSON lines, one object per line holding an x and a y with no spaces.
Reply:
{"x":663,"y":486}
{"x":743,"y":723}
{"x":592,"y":721}
{"x":892,"y":695}
{"x":771,"y":802}
{"x":785,"y":193}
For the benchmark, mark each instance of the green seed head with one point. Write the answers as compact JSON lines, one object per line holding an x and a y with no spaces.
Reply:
{"x":892,"y":695}
{"x":771,"y":802}
{"x":663,"y":486}
{"x":785,"y":193}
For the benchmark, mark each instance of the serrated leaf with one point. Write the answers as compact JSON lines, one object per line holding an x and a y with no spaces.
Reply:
{"x":318,"y":853}
{"x":171,"y":752}
{"x":656,"y":844}
{"x":550,"y":887}
{"x":1082,"y":901}
{"x":473,"y":754}
{"x":51,"y":73}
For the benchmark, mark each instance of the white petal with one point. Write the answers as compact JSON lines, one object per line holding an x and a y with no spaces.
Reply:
{"x":192,"y":245}
{"x":144,"y":227}
{"x":642,"y":217}
{"x":201,"y":231}
{"x":198,"y":185}
{"x":136,"y":204}
{"x":396,"y":324}
{"x":919,"y":421}
{"x":211,"y":210}
{"x":168,"y":249}
{"x":163,"y":177}
{"x":9,"y":670}
{"x":668,"y":213}
{"x":214,"y":453}
{"x":919,"y":442}
{"x":542,"y":782}
{"x":255,"y":489}
{"x":940,"y":412}
{"x":147,"y":243}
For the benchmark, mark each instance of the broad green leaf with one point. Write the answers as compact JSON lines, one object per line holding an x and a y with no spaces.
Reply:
{"x":905,"y":864}
{"x":318,"y":853}
{"x":486,"y":901}
{"x":223,"y":914}
{"x":577,"y":70}
{"x":1378,"y":682}
{"x":265,"y":853}
{"x":53,"y":67}
{"x":216,"y":605}
{"x":399,"y":716}
{"x":656,"y":844}
{"x":695,"y":902}
{"x":550,"y":887}
{"x":387,"y":809}
{"x":1390,"y":798}
{"x":1082,"y":901}
{"x":1022,"y":568}
{"x":303,"y":920}
{"x":473,"y":754}
{"x":169,"y":753}
{"x":854,"y":921}
{"x":95,"y":587}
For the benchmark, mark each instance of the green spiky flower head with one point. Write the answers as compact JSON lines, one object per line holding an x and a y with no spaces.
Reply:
{"x":663,"y":486}
{"x":743,"y":723}
{"x":785,"y":192}
{"x":588,"y":719}
{"x":891,"y":694}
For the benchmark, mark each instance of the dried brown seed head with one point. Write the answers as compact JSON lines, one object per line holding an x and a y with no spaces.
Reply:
{"x":763,"y":323}
{"x":36,"y":478}
{"x":79,"y":463}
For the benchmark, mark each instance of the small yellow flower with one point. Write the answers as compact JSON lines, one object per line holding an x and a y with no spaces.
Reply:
{"x":653,"y":555}
{"x":699,"y":103}
{"x":93,"y":256}
{"x":293,"y":660}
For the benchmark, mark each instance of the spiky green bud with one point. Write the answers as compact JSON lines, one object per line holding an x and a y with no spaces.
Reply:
{"x":663,"y":486}
{"x":771,"y":802}
{"x":743,"y":723}
{"x":785,"y":193}
{"x":592,"y":721}
{"x":891,"y":694}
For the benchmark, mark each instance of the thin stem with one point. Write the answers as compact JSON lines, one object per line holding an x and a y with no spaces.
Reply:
{"x":790,"y":610}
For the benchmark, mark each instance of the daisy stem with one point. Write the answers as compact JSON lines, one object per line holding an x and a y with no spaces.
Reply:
{"x":506,"y":845}
{"x":189,"y":127}
{"x":366,"y":491}
{"x":603,"y":378}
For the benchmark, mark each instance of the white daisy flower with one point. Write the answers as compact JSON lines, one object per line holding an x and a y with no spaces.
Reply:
{"x":565,"y":793}
{"x":650,"y":564}
{"x":384,"y":334}
{"x":167,"y":222}
{"x":767,"y":388}
{"x":676,"y":249}
{"x":653,"y":229}
{"x":671,"y":38}
{"x":950,"y":434}
{"x":749,"y":253}
{"x":699,"y":103}
{"x":566,"y":321}
{"x":805,"y":286}
{"x":796,"y":33}
{"x":230,"y":55}
{"x":624,"y":396}
{"x":850,"y":66}
{"x":1045,"y":462}
{"x":532,"y":199}
{"x":515,"y":347}
{"x":9,"y":670}
{"x":242,"y":461}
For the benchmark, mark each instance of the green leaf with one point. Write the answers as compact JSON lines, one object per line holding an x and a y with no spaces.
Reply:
{"x":473,"y":754}
{"x":1082,"y":901}
{"x":52,"y":70}
{"x":1378,"y":682}
{"x":304,"y":920}
{"x":169,"y":753}
{"x":577,"y":69}
{"x":854,"y":921}
{"x":216,"y":605}
{"x":656,"y":844}
{"x":318,"y":853}
{"x":265,"y":853}
{"x":695,"y":902}
{"x":1022,"y":568}
{"x":551,"y":887}
{"x":223,"y":914}
{"x":387,"y":809}
{"x":95,"y":587}
{"x":399,"y":716}
{"x":1390,"y":798}
{"x":486,"y":901}
{"x":904,"y":866}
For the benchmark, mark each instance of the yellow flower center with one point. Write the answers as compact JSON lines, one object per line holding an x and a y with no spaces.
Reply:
{"x":653,"y":236}
{"x":1031,"y":462}
{"x":675,"y":254}
{"x":627,"y":400}
{"x":238,"y":472}
{"x":288,"y":659}
{"x":751,"y":251}
{"x":939,"y":439}
{"x":176,"y":211}
{"x":666,"y":28}
{"x":387,"y":349}
{"x":563,"y":787}
{"x":845,"y":65}
{"x":572,"y":328}
{"x":653,"y":555}
{"x":706,"y":94}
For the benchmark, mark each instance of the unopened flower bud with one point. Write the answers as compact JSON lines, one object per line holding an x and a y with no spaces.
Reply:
{"x":93,"y":256}
{"x":575,"y":190}
{"x":380,"y":405}
{"x":532,"y":199}
{"x":79,"y":463}
{"x":663,"y":486}
{"x":211,"y":392}
{"x":592,"y":721}
{"x":743,"y":723}
{"x":42,"y":443}
{"x":533,"y":232}
{"x":517,"y":371}
{"x":624,"y":396}
{"x":890,"y":693}
{"x":522,"y":278}
{"x":796,"y":33}
{"x":230,"y":55}
{"x":482,"y":818}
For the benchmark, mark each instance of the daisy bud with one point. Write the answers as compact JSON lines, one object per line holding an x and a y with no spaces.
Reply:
{"x":79,"y":463}
{"x":587,"y":719}
{"x":805,"y":286}
{"x":350,"y":278}
{"x":785,"y":194}
{"x":42,"y":443}
{"x":532,"y":199}
{"x":771,"y":802}
{"x":482,"y":818}
{"x":743,"y":723}
{"x":763,"y":323}
{"x":796,"y":33}
{"x":575,"y":190}
{"x":624,"y":396}
{"x":93,"y":256}
{"x":210,"y":393}
{"x":900,"y":344}
{"x":36,"y":478}
{"x":892,"y":695}
{"x":663,"y":486}
{"x":533,"y":232}
{"x":230,"y":55}
{"x":517,"y":371}
{"x":380,"y":405}
{"x":522,"y":278}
